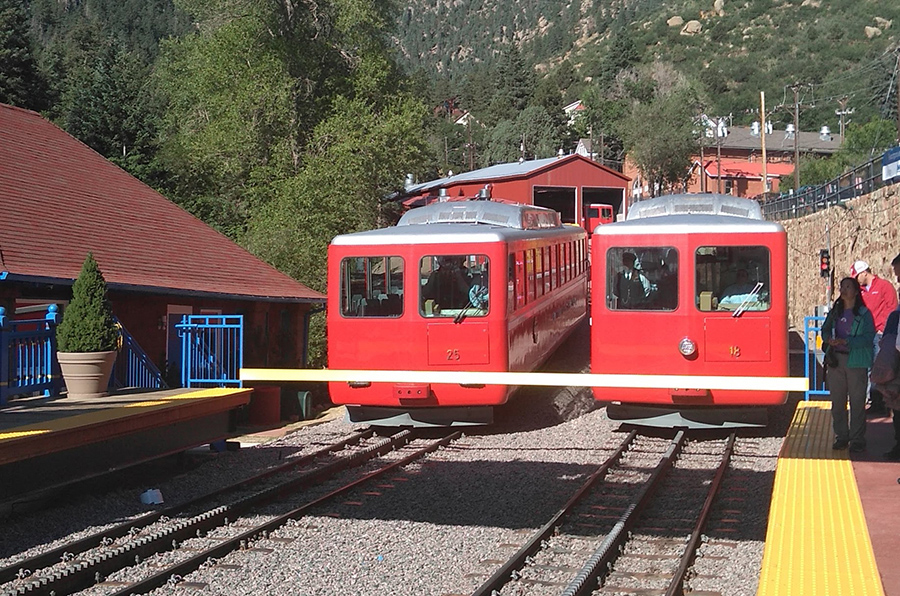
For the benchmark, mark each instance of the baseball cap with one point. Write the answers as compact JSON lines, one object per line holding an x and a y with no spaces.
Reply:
{"x":858,"y":267}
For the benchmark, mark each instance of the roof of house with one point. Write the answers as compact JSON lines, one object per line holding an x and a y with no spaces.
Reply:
{"x":741,"y":137}
{"x":741,"y":168}
{"x":503,"y":171}
{"x":59,"y":200}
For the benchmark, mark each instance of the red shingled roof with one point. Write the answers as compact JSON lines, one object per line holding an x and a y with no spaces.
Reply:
{"x":60,"y":199}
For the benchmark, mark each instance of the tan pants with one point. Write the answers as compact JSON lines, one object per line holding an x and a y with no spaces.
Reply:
{"x":844,"y":383}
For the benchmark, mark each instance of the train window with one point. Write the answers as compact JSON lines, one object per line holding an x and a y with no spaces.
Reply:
{"x":732,"y":278}
{"x":511,"y":282}
{"x":642,"y":278}
{"x":454,"y":285}
{"x":548,"y":270}
{"x":529,"y":276}
{"x":372,"y":286}
{"x":520,"y":279}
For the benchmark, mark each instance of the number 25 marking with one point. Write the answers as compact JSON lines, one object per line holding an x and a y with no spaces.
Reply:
{"x":452,"y":354}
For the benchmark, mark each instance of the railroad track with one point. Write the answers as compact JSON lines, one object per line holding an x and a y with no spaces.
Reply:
{"x":226,"y":520}
{"x":616,"y":534}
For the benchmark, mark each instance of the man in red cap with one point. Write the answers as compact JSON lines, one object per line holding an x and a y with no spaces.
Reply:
{"x":880,"y":298}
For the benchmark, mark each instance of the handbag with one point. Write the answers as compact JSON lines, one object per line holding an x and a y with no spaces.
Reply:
{"x":829,"y":360}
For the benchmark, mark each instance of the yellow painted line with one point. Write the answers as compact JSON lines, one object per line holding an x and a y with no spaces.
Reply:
{"x":528,"y":379}
{"x":817,"y":540}
{"x":22,"y":433}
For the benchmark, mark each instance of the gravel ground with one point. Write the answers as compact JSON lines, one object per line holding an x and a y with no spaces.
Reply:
{"x":439,"y":528}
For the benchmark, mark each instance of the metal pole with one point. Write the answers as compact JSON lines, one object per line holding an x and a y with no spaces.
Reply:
{"x":796,"y":89}
{"x":762,"y":136}
{"x":718,"y":159}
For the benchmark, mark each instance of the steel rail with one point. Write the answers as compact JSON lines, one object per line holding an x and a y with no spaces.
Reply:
{"x":603,"y":557}
{"x":227,"y":546}
{"x":518,"y":560}
{"x":51,"y":557}
{"x":82,"y":573}
{"x":676,"y":586}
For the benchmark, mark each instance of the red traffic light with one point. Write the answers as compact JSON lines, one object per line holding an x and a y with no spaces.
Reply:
{"x":824,"y":263}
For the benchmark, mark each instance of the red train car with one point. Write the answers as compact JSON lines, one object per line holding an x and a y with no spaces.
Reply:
{"x":470,"y":285}
{"x":690,"y":285}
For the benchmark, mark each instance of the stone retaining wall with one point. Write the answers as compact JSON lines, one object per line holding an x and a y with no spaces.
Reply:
{"x":865,"y":228}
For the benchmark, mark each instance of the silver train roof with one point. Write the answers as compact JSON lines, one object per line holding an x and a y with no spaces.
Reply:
{"x":692,"y":213}
{"x":463,"y":222}
{"x":696,"y":204}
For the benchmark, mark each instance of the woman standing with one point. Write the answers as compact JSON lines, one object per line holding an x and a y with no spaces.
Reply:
{"x":849,"y":332}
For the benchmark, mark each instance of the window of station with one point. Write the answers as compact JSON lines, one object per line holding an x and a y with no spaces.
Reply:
{"x":732,"y":278}
{"x":642,"y":278}
{"x":454,"y":285}
{"x":372,"y":286}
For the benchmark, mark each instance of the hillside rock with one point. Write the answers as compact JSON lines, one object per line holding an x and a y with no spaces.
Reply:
{"x":694,"y":27}
{"x":675,"y":21}
{"x":872,"y":32}
{"x":883,"y":23}
{"x":719,"y":7}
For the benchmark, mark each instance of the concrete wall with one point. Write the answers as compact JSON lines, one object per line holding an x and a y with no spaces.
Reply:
{"x":867,"y":228}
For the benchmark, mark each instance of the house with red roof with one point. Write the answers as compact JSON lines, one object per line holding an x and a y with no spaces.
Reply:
{"x":59,"y":200}
{"x":569,"y":184}
{"x":733,"y":163}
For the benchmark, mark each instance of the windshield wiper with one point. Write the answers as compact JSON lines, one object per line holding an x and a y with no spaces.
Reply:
{"x":751,"y":297}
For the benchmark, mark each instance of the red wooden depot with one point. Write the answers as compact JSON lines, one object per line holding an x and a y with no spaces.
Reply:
{"x":570,"y":184}
{"x":469,"y":285}
{"x":690,"y":285}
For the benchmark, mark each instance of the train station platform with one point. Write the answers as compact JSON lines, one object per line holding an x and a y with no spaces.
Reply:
{"x":834,"y":520}
{"x":48,"y":443}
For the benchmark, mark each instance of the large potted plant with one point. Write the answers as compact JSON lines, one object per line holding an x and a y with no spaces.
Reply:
{"x":87,"y":337}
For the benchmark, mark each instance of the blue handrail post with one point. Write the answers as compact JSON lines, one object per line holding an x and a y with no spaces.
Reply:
{"x":813,"y":325}
{"x":52,"y":320}
{"x":185,"y":350}
{"x":4,"y":357}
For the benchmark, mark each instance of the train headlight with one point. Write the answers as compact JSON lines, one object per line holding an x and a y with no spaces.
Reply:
{"x":687,"y":347}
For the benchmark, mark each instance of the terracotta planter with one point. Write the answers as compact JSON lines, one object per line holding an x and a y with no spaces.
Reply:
{"x":86,"y":373}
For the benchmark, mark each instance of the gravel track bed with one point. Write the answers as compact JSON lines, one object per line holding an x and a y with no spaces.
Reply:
{"x":439,"y":527}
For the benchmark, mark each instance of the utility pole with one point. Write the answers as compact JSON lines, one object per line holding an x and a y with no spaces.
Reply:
{"x":897,"y":78}
{"x":796,"y":89}
{"x":470,"y":147}
{"x":843,"y":112}
{"x":601,"y":147}
{"x":762,"y":137}
{"x":702,"y":164}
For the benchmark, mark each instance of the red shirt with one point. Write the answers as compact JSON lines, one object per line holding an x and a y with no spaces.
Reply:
{"x":881,"y":299}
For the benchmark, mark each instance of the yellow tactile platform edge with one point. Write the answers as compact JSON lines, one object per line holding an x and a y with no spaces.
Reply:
{"x":817,"y":541}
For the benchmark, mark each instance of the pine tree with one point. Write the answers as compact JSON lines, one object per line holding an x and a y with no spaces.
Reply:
{"x":21,"y":82}
{"x":88,"y":324}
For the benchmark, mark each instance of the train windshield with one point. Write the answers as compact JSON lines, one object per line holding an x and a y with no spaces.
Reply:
{"x":372,"y":286}
{"x":732,"y":278}
{"x":454,"y":286}
{"x":642,"y":278}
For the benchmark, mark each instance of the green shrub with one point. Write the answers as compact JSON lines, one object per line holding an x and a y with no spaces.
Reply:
{"x":88,"y":324}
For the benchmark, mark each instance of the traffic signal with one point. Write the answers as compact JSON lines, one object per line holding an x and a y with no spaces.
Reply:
{"x":824,"y":262}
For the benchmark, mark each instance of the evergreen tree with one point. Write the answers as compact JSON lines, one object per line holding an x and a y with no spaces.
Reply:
{"x":21,"y":82}
{"x":88,"y":324}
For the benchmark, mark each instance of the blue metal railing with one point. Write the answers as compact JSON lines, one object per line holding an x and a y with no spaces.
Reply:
{"x":133,"y":367}
{"x":212,"y":351}
{"x":859,"y":181}
{"x":813,"y":355}
{"x":28,"y":362}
